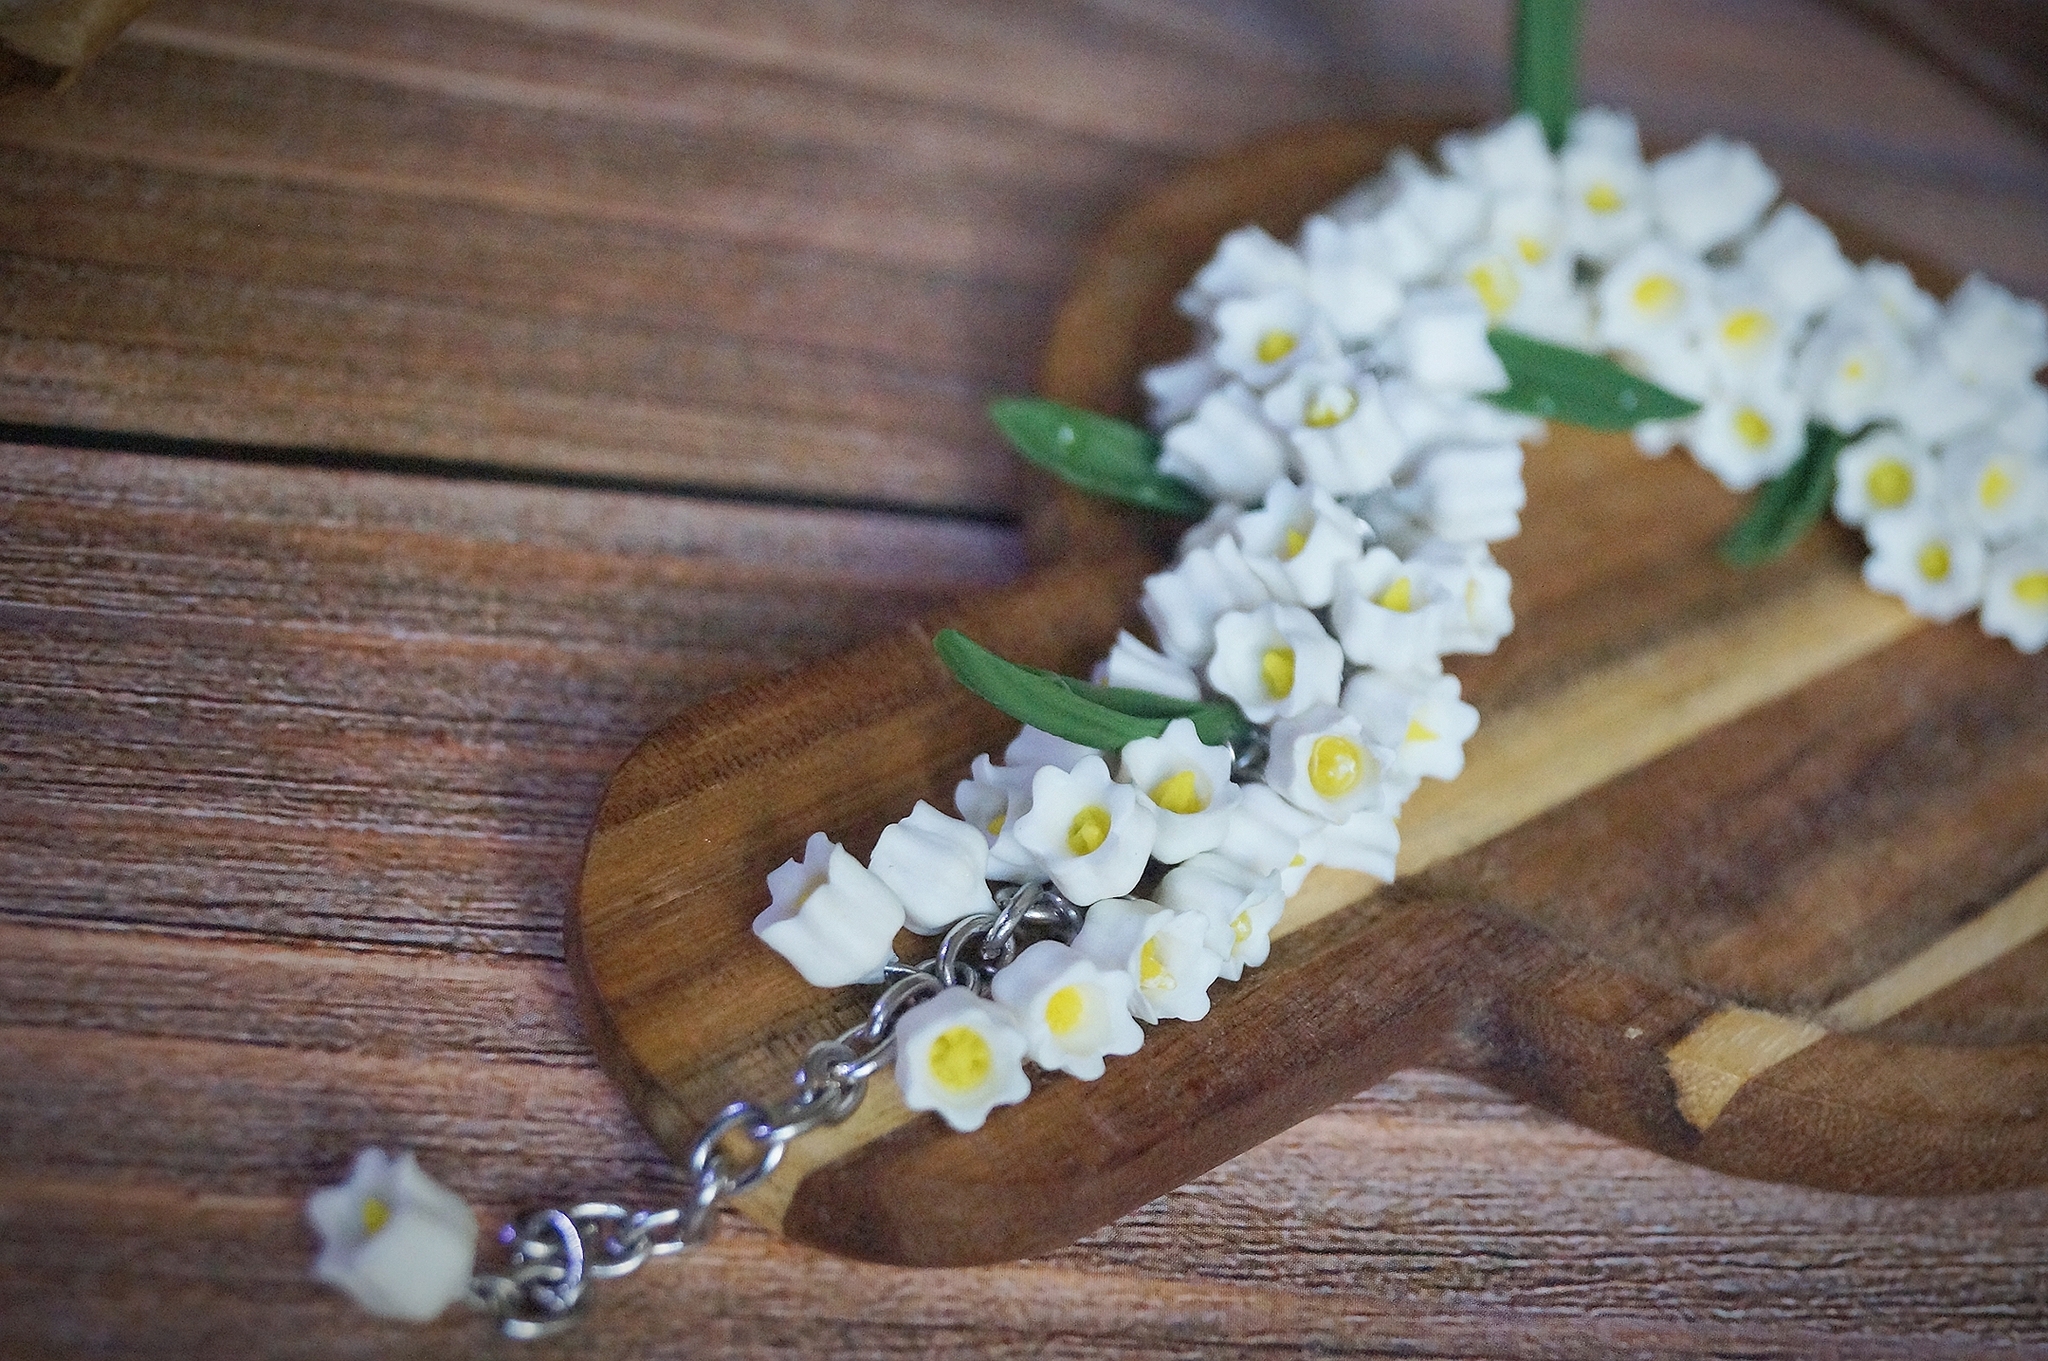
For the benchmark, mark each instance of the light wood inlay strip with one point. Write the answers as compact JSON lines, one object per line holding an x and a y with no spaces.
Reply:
{"x":1525,"y":761}
{"x":1733,"y":1046}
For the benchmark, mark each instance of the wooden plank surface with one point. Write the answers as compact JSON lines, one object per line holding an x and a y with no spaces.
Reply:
{"x":298,"y":760}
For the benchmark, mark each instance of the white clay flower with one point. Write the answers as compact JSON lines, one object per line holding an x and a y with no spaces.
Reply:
{"x":1477,"y":588}
{"x":1926,"y":560}
{"x":1367,"y":841}
{"x":400,"y":1243}
{"x":1175,"y":390}
{"x":829,"y":915}
{"x":1795,"y":257}
{"x":1073,"y":1013}
{"x":992,"y":800}
{"x":1261,"y":339}
{"x":1187,"y":784}
{"x":1240,"y":906}
{"x":1749,"y":437}
{"x":1890,"y":288}
{"x":960,"y":1056}
{"x":1133,"y":666}
{"x":1418,"y":718}
{"x":1275,"y":660}
{"x":1466,"y":493}
{"x":1440,"y":337}
{"x":1427,"y":417}
{"x":1711,"y":192}
{"x":2016,"y":594}
{"x":1248,"y":263}
{"x":1184,"y":603}
{"x":1998,"y":490}
{"x":1746,"y":332}
{"x":1337,"y":424}
{"x":1165,"y":953}
{"x":1883,"y":472}
{"x":1347,"y":279}
{"x":1512,"y":157}
{"x":1034,"y":747}
{"x":1388,"y":614}
{"x":1606,"y":187}
{"x":937,"y":866}
{"x":1226,"y":449}
{"x":1296,"y":539}
{"x":1265,"y":835}
{"x":1853,"y":362}
{"x":1653,"y":298}
{"x":1990,"y":338}
{"x":1934,"y":404}
{"x":1321,"y":763}
{"x":1092,"y":835}
{"x":1415,"y":220}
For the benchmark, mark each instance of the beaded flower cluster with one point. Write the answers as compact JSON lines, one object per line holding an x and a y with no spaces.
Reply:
{"x":1335,"y":413}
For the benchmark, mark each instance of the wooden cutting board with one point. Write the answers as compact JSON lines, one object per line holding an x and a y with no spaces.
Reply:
{"x":1749,"y":868}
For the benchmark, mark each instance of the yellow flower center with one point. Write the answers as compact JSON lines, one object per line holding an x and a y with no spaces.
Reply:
{"x":1399,"y":597}
{"x":1291,"y":548}
{"x":2031,"y":589}
{"x":1063,"y":1010}
{"x":1853,"y":370}
{"x":1328,"y":405}
{"x":1417,"y":733}
{"x":1752,"y":427}
{"x":1088,"y":830}
{"x":1276,"y":672}
{"x":376,"y":1214}
{"x":1995,"y":488}
{"x":1889,"y":483}
{"x":1274,"y":346}
{"x":1241,"y":927}
{"x":1658,"y":294}
{"x":1179,"y":793}
{"x":1603,"y":197}
{"x":1746,"y":328}
{"x":1334,"y":765}
{"x":1532,"y":248}
{"x":1495,"y":283}
{"x":1933,"y":561}
{"x":1152,"y":974}
{"x":960,"y":1059}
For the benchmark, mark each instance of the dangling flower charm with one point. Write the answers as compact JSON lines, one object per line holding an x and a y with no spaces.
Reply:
{"x":401,"y":1244}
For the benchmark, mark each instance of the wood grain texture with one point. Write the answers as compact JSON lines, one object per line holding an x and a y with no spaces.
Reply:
{"x":257,"y":914}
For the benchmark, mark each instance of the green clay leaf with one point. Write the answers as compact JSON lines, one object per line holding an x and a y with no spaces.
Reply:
{"x":1547,"y":63}
{"x":1097,"y":454}
{"x":1563,"y":384}
{"x":1100,"y":716}
{"x":1791,"y":504}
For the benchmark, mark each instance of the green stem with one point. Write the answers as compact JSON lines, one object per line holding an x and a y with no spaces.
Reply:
{"x":1547,"y":62}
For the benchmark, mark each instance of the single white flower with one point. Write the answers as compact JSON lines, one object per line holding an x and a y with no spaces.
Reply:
{"x":1466,"y":494}
{"x":1133,"y":666}
{"x":1606,"y":187}
{"x":1926,"y":560}
{"x":1440,"y":337}
{"x":1247,"y":264}
{"x":1415,"y":220}
{"x":1889,"y":286}
{"x":1526,"y":286}
{"x":937,"y":866}
{"x":1225,"y":449}
{"x":1388,"y":614}
{"x":1165,"y":953}
{"x":1275,"y":661}
{"x":1852,"y":363}
{"x":1211,"y":529}
{"x":1266,"y":833}
{"x":1296,"y":539}
{"x":2016,"y":594}
{"x":1337,"y":424}
{"x":1477,"y":587}
{"x":1183,"y":603}
{"x":1073,"y":1013}
{"x":1512,"y":157}
{"x":960,"y":1056}
{"x":1677,"y":362}
{"x":1187,"y":785}
{"x":1035,"y":747}
{"x":829,"y":915}
{"x":1885,"y":471}
{"x":1367,"y":841}
{"x":1261,"y":339}
{"x":1998,"y":490}
{"x":2023,"y":423}
{"x":1347,"y":278}
{"x":1240,"y":906}
{"x":1750,"y":436}
{"x":1653,"y":297}
{"x":1711,"y":192}
{"x":1936,"y":405}
{"x":1654,"y":439}
{"x":1418,"y":718}
{"x":1427,"y":417}
{"x":1990,"y":338}
{"x":1796,"y":258}
{"x":1091,"y":834}
{"x":1176,"y":389}
{"x":1321,"y":763}
{"x":992,"y":800}
{"x":1745,"y":331}
{"x":401,"y":1244}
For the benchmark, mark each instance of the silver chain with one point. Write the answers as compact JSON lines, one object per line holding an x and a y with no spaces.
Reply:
{"x":553,"y":1255}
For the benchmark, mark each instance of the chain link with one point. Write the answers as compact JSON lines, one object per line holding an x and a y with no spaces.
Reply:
{"x":552,"y":1255}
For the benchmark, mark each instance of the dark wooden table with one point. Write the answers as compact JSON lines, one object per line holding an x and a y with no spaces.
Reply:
{"x":410,"y":405}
